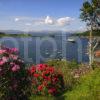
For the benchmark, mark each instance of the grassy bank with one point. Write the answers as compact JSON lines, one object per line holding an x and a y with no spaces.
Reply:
{"x":88,"y":89}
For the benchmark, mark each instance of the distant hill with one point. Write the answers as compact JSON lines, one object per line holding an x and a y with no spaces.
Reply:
{"x":12,"y":31}
{"x":44,"y":32}
{"x":94,"y":33}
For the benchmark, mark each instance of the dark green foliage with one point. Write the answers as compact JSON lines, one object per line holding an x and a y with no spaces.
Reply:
{"x":95,"y":33}
{"x":88,"y":11}
{"x":14,"y":35}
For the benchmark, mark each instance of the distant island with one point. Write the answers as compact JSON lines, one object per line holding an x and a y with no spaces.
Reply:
{"x":29,"y":34}
{"x":2,"y":34}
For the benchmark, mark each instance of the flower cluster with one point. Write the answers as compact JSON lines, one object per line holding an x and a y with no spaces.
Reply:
{"x":13,"y":75}
{"x":46,"y":80}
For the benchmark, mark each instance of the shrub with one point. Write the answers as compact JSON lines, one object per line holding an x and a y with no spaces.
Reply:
{"x":59,"y":63}
{"x":66,"y":69}
{"x":13,"y":75}
{"x":46,"y":80}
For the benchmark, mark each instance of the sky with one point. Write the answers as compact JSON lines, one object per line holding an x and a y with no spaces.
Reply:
{"x":37,"y":15}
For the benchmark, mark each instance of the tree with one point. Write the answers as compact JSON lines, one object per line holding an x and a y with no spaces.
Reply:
{"x":87,"y":12}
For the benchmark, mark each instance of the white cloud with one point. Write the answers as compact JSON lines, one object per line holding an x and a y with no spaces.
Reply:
{"x":64,"y":21}
{"x":23,"y":19}
{"x":17,"y":19}
{"x":49,"y":20}
{"x":28,"y":24}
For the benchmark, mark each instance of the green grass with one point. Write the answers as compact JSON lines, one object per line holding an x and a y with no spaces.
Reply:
{"x":88,"y":89}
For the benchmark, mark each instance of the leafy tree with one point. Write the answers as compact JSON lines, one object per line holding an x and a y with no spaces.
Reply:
{"x":88,"y":12}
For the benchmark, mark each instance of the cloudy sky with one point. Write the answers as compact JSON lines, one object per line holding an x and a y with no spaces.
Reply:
{"x":37,"y":15}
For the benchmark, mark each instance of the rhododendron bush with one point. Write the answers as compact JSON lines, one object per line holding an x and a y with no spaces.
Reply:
{"x":13,"y":75}
{"x":46,"y":80}
{"x":16,"y":82}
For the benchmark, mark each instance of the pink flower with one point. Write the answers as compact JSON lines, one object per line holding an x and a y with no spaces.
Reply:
{"x":12,"y":63}
{"x":14,"y":50}
{"x":15,"y":57}
{"x":15,"y":68}
{"x":1,"y":62}
{"x":2,"y":51}
{"x":5,"y":59}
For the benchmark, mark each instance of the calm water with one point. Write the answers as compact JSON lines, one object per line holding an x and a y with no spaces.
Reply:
{"x":38,"y":49}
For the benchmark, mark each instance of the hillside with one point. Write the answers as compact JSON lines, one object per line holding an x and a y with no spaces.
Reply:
{"x":95,"y":33}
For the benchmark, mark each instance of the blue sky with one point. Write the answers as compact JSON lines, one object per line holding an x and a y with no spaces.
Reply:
{"x":37,"y":15}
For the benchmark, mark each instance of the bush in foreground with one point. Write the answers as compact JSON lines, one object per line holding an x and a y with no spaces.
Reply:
{"x":46,"y":80}
{"x":13,"y":75}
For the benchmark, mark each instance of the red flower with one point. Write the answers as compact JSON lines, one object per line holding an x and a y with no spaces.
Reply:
{"x":51,"y":69}
{"x":48,"y":78}
{"x":45,"y":73}
{"x":41,"y":67}
{"x":32,"y":70}
{"x":40,"y":87}
{"x":55,"y":80}
{"x":45,"y":83}
{"x":36,"y":75}
{"x":52,"y":91}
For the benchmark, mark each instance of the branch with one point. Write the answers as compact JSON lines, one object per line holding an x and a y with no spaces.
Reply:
{"x":95,"y":45}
